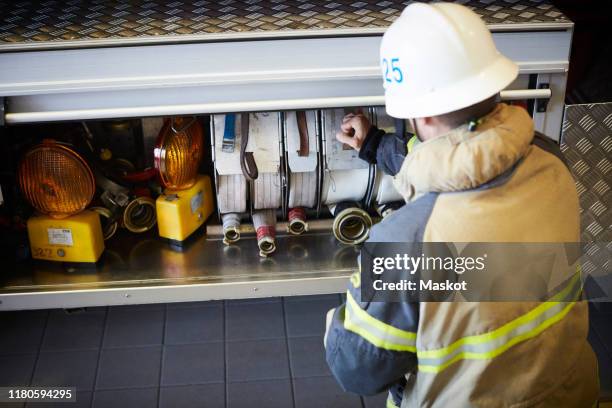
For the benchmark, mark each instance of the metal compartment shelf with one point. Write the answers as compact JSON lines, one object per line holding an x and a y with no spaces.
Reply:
{"x":138,"y":269}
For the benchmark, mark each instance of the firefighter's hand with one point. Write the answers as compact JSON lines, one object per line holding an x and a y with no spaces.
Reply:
{"x":353,"y":130}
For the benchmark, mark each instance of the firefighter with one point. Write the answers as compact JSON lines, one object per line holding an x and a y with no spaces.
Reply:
{"x":477,"y":174}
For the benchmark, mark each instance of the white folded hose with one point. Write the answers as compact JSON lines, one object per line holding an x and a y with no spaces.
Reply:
{"x":264,"y":222}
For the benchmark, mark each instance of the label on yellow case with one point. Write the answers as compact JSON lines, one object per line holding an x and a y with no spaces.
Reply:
{"x":59,"y":236}
{"x":196,"y":202}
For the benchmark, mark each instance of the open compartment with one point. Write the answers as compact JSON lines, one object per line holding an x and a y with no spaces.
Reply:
{"x":304,"y":79}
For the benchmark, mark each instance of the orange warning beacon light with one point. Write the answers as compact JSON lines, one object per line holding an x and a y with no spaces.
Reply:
{"x":178,"y":152}
{"x":187,"y":200}
{"x":55,"y":180}
{"x":59,"y":184}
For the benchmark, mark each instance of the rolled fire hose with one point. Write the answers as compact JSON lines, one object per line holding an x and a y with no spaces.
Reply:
{"x":302,"y":195}
{"x":231,"y":228}
{"x":264,"y":222}
{"x":109,"y":225}
{"x":302,"y":185}
{"x":140,"y":215}
{"x":351,"y":223}
{"x":231,"y":200}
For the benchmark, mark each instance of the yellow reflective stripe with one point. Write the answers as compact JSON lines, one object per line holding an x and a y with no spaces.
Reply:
{"x":390,"y":402}
{"x":375,"y":340}
{"x":377,"y":323}
{"x":356,"y":279}
{"x":376,"y":332}
{"x":410,"y":144}
{"x":486,"y":337}
{"x":494,"y":353}
{"x":502,"y":331}
{"x":565,"y":292}
{"x":490,"y":345}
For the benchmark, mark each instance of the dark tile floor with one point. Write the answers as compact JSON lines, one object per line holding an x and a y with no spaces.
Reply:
{"x":250,"y":353}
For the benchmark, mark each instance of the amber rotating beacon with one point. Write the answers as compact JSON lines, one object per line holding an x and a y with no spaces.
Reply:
{"x":187,"y":200}
{"x":59,"y":184}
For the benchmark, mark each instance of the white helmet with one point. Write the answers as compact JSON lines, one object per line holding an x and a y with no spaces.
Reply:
{"x":440,"y":58}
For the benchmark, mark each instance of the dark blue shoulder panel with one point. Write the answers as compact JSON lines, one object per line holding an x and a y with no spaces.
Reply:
{"x":407,"y":224}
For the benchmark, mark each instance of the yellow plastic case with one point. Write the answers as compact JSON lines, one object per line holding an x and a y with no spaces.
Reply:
{"x":180,"y":213}
{"x":77,"y":238}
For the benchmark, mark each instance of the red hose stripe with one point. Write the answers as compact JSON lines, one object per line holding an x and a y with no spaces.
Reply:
{"x":266,"y":231}
{"x":297,"y":213}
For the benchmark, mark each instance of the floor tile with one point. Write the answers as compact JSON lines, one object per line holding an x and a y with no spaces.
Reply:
{"x":13,"y":404}
{"x":129,"y":367}
{"x":133,"y":398}
{"x":16,"y":369}
{"x":83,"y":400}
{"x":307,"y":356}
{"x":127,"y":327}
{"x":81,"y":330}
{"x":97,"y":309}
{"x":21,"y":331}
{"x":186,"y":305}
{"x":193,"y":364}
{"x":139,"y":308}
{"x":307,"y":318}
{"x":257,"y":360}
{"x":376,"y":401}
{"x":194,"y":325}
{"x":253,"y":301}
{"x":321,"y":298}
{"x":193,"y":396}
{"x":252,"y":321}
{"x":267,"y":393}
{"x":66,"y":369}
{"x":322,"y":392}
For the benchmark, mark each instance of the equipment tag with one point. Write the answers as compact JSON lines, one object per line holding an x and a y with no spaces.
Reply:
{"x":196,"y":202}
{"x":59,"y":236}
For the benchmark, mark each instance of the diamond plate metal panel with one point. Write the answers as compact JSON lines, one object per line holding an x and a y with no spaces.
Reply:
{"x":586,"y":142}
{"x":54,"y":21}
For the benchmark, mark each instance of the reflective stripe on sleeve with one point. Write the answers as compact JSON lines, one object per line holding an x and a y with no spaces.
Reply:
{"x":390,"y":403}
{"x":375,"y":331}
